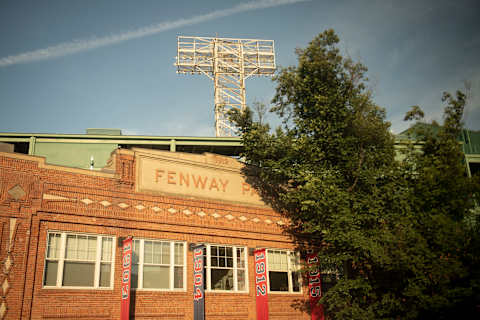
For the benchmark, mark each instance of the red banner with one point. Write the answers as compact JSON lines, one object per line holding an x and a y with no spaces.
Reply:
{"x":198,"y":284}
{"x":126,"y":277}
{"x":315,"y":287}
{"x":261,"y":284}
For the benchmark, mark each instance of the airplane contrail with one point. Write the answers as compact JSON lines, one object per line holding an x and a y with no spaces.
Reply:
{"x":75,"y":46}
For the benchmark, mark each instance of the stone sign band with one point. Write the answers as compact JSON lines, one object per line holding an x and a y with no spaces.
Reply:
{"x":159,"y":173}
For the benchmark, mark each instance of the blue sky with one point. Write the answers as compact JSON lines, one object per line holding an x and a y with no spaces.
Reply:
{"x":70,"y":65}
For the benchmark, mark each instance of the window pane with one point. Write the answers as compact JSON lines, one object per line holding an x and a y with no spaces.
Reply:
{"x":105,"y":274}
{"x":78,"y":274}
{"x":214,"y":251}
{"x":53,"y":246}
{"x":51,"y":268}
{"x":295,"y":282}
{"x":221,"y":262}
{"x":178,"y":278}
{"x":229,"y":252}
{"x":148,"y":252}
{"x":241,"y":280}
{"x":92,"y":248}
{"x":178,"y":253}
{"x":136,"y":251}
{"x":221,"y":251}
{"x":157,"y":253}
{"x":165,"y":253}
{"x":240,"y":258}
{"x":278,"y":260}
{"x":283,"y":261}
{"x":278,"y":281}
{"x":222,"y":279}
{"x":82,"y":247}
{"x":156,"y":277}
{"x":230,"y":262}
{"x":134,"y":280}
{"x":294,"y":261}
{"x":214,"y":262}
{"x":107,"y":249}
{"x":273,"y":260}
{"x":71,"y":247}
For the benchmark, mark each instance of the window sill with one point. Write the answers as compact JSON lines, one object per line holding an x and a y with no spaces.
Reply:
{"x":285,"y":292}
{"x":226,"y":291}
{"x":78,"y":288}
{"x":159,"y":290}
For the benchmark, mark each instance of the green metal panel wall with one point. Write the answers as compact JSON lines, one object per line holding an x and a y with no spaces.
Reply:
{"x":471,"y":141}
{"x":75,"y":154}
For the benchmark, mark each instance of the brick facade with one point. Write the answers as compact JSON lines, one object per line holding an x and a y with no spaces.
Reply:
{"x":36,"y":198}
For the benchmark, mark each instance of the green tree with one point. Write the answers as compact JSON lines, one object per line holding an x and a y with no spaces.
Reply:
{"x":442,"y":200}
{"x":393,"y":230}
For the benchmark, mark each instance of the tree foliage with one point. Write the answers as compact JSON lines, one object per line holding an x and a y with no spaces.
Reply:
{"x":395,"y":231}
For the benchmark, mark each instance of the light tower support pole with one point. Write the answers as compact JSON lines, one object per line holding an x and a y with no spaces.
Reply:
{"x":228,"y":62}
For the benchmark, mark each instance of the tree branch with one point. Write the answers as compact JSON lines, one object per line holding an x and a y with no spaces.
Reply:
{"x":360,"y":162}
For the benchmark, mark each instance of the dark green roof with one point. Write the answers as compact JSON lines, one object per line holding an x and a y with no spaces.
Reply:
{"x":470,"y":139}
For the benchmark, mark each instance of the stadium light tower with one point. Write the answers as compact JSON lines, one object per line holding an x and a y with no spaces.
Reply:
{"x":228,"y":62}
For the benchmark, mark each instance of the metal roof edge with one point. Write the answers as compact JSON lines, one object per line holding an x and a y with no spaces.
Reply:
{"x":116,"y":137}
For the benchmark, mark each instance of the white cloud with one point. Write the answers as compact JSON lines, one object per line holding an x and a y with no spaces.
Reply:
{"x":76,"y":46}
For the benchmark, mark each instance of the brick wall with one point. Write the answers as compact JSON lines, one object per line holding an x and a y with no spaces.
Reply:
{"x":36,"y":198}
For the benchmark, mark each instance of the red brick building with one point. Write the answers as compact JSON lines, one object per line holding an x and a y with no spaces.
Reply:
{"x":61,"y":231}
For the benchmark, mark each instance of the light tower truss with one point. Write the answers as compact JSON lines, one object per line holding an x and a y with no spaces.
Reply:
{"x":228,"y":62}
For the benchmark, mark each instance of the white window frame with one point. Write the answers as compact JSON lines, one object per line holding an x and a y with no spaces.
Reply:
{"x":172,"y":265}
{"x":208,"y":268}
{"x":289,"y":272}
{"x":61,"y":261}
{"x":470,"y":159}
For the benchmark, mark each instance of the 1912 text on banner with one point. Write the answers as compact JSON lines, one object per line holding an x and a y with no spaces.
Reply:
{"x":261,"y":284}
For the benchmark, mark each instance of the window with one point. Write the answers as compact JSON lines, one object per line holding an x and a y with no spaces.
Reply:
{"x":474,"y":167}
{"x":328,"y":280}
{"x":78,"y":260}
{"x":329,"y":276}
{"x":225,"y":268}
{"x":283,"y":271}
{"x":158,"y":265}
